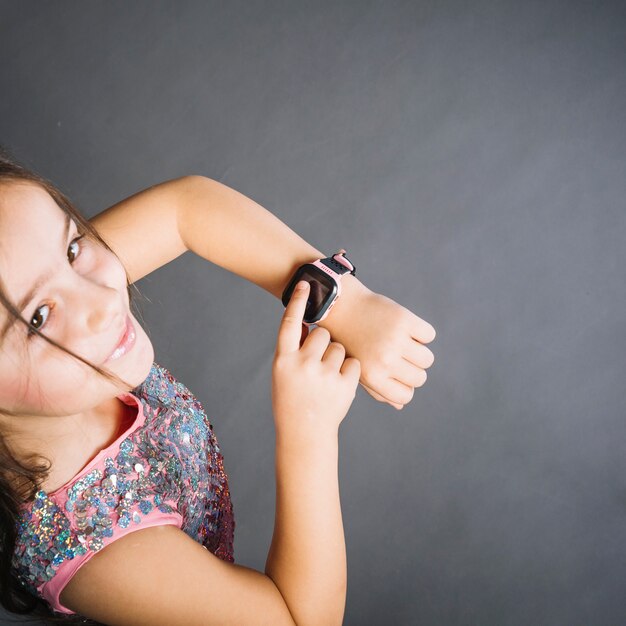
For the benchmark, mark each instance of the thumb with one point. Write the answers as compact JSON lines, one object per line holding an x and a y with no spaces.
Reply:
{"x":290,"y":330}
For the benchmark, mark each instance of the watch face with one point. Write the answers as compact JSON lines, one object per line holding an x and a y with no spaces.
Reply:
{"x":321,"y":293}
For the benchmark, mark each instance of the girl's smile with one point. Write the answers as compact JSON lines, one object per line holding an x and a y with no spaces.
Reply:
{"x":126,"y":343}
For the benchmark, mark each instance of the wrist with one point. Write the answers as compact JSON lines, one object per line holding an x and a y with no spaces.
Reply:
{"x":352,"y":290}
{"x":322,"y":440}
{"x":338,"y":293}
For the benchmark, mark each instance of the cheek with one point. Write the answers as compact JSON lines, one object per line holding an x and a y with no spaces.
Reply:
{"x":47,"y":388}
{"x":62,"y":386}
{"x":55,"y":378}
{"x":10,"y":389}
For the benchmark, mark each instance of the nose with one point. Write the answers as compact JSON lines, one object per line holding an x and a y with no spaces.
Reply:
{"x":101,"y":310}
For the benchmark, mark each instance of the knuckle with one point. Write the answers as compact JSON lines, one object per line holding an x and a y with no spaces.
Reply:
{"x":310,"y":365}
{"x":384,"y":359}
{"x":322,"y":332}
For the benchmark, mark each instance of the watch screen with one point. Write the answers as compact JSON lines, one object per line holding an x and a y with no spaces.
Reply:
{"x":321,"y":287}
{"x":321,"y":292}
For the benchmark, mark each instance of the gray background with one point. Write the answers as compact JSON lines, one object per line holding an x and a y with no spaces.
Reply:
{"x":471,"y":157}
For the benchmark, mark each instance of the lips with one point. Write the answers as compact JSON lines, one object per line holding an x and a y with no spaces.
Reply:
{"x":126,"y":342}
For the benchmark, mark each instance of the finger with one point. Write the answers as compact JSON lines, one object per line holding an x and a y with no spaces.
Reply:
{"x":316,"y":343}
{"x":418,"y":354}
{"x":290,"y":330}
{"x":422,"y":331}
{"x":395,"y":391}
{"x":408,"y":373}
{"x":335,"y":354}
{"x":351,"y":368}
{"x":305,"y":334}
{"x":380,"y":398}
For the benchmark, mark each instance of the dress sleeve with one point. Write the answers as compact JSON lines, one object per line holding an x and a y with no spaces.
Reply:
{"x":53,"y":543}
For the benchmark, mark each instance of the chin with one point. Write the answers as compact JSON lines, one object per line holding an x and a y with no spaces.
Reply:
{"x":144,"y":362}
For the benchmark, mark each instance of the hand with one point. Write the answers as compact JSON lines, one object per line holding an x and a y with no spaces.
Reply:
{"x":386,"y":337}
{"x":313,"y":384}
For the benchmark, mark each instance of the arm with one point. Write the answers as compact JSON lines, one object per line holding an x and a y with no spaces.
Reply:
{"x":307,"y":556}
{"x":154,"y":226}
{"x":231,"y":230}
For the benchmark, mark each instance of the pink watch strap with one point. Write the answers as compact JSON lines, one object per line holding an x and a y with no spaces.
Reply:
{"x":335,"y":266}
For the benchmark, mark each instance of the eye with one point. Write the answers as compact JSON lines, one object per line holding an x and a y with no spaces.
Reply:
{"x":73,"y":251}
{"x":38,"y":316}
{"x":73,"y":243}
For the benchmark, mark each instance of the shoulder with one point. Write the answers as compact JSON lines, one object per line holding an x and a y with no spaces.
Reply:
{"x":57,"y":534}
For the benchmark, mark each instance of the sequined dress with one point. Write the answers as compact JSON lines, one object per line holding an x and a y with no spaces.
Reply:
{"x":166,"y":468}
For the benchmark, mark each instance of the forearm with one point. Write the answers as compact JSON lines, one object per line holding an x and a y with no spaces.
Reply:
{"x":307,"y":556}
{"x":231,"y":230}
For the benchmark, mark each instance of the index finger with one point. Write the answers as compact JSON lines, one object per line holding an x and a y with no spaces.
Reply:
{"x":422,"y":331}
{"x":290,"y":330}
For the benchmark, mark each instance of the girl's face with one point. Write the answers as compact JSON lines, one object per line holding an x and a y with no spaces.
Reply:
{"x":80,"y":300}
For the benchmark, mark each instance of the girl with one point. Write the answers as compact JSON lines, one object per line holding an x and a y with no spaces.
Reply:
{"x":128,"y":520}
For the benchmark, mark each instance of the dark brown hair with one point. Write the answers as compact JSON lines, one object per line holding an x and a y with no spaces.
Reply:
{"x":20,"y":480}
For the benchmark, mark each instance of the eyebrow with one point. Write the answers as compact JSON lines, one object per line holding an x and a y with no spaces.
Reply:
{"x":21,"y":304}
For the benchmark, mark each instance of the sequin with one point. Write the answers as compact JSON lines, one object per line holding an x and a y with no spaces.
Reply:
{"x":170,"y":463}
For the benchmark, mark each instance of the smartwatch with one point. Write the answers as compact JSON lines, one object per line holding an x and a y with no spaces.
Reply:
{"x":324,"y":277}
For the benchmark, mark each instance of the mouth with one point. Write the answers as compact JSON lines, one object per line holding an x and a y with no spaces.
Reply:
{"x":125,"y":343}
